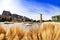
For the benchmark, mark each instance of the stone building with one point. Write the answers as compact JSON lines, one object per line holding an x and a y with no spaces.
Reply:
{"x":40,"y":17}
{"x":7,"y":16}
{"x":16,"y":17}
{"x":56,"y":18}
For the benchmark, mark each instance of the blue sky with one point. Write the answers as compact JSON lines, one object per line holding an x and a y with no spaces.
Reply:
{"x":32,"y":8}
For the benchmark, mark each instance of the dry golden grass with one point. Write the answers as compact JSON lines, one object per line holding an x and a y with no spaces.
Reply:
{"x":2,"y":33}
{"x":47,"y":31}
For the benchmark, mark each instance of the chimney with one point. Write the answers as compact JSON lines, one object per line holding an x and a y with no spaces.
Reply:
{"x":40,"y":18}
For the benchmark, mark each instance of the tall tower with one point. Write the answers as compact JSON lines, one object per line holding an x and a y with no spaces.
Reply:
{"x":40,"y":18}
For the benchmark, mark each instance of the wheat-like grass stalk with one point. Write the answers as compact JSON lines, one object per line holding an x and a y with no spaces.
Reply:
{"x":47,"y":31}
{"x":2,"y":32}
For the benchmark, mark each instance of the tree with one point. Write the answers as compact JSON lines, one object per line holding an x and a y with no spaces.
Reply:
{"x":34,"y":20}
{"x":38,"y":20}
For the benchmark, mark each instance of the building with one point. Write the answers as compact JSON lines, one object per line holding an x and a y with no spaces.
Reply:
{"x":16,"y":17}
{"x":7,"y":16}
{"x":56,"y":18}
{"x":40,"y":17}
{"x":6,"y":13}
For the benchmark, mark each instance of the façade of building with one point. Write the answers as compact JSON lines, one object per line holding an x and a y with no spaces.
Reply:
{"x":7,"y":16}
{"x":56,"y":18}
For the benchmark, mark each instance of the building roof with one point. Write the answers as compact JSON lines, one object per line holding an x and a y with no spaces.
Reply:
{"x":56,"y":16}
{"x":6,"y":13}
